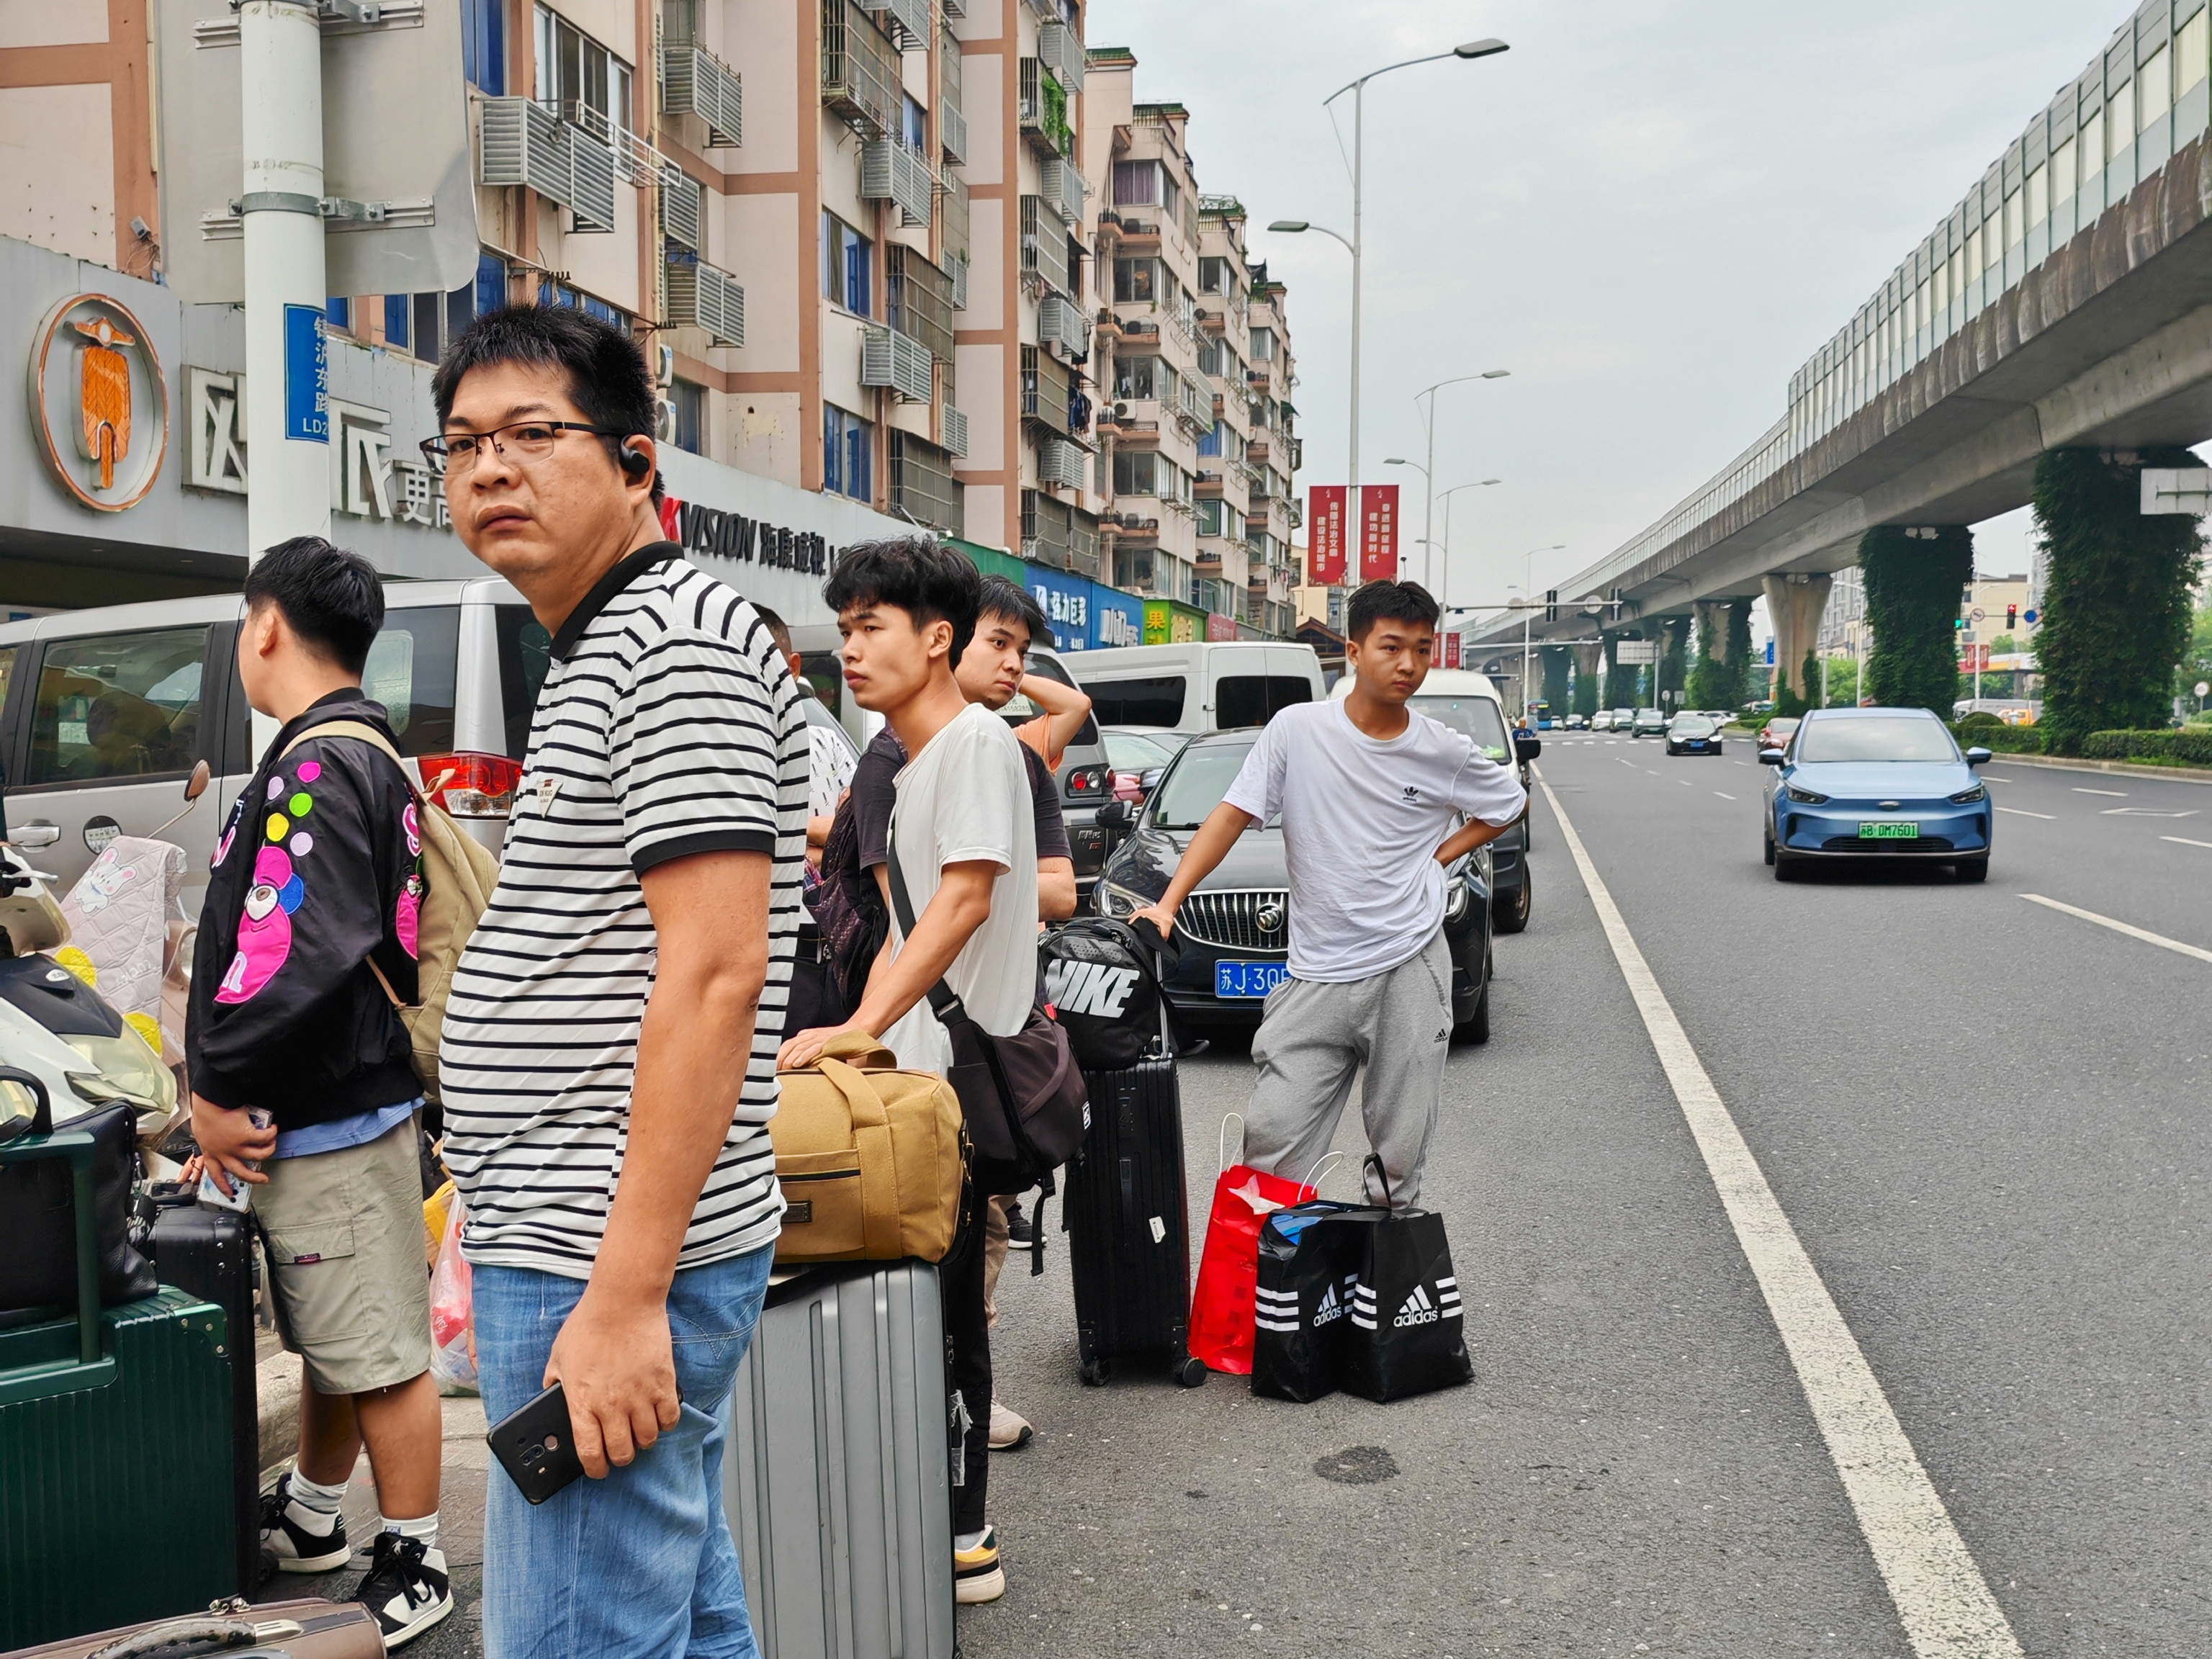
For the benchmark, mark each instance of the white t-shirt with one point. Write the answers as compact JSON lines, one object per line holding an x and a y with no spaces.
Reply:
{"x":965,"y":798}
{"x":1361,"y":821}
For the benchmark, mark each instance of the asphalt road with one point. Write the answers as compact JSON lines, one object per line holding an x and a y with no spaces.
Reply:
{"x":1986,"y":1119}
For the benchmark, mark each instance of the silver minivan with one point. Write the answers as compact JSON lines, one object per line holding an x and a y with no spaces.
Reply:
{"x":104,"y":713}
{"x":1197,"y":686}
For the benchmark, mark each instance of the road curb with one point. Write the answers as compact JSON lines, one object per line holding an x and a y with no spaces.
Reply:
{"x":2113,"y":768}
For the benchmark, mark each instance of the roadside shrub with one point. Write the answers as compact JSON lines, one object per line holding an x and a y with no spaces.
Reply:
{"x":2189,"y":746}
{"x":1977,"y":720}
{"x":1996,"y":736}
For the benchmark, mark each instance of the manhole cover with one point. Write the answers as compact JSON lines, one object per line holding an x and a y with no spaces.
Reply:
{"x":1357,"y":1466}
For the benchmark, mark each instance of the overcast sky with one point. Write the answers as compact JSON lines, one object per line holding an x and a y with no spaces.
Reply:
{"x":1651,"y":211}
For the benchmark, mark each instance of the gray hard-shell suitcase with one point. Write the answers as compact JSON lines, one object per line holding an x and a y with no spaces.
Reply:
{"x":837,"y":1476}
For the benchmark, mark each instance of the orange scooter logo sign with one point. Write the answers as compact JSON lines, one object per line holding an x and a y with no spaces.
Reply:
{"x":99,"y":402}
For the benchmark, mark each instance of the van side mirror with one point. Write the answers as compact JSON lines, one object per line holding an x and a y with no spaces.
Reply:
{"x":1526,"y":748}
{"x":196,"y":786}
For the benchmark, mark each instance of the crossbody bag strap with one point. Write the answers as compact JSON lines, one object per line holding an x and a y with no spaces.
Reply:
{"x":943,"y":1000}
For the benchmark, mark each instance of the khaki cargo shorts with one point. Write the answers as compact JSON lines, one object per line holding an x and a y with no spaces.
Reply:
{"x":344,"y":1231}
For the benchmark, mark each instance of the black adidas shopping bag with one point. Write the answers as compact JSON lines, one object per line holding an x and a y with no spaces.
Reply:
{"x":1310,"y":1255}
{"x":1406,"y":1334}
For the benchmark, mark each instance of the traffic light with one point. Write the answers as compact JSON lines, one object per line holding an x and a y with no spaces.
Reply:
{"x":1552,"y":605}
{"x":2012,"y":617}
{"x":1960,"y":624}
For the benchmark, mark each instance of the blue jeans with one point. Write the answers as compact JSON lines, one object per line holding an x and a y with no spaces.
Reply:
{"x":640,"y":1565}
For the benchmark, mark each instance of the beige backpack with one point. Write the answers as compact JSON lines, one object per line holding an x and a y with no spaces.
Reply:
{"x":457,"y":877}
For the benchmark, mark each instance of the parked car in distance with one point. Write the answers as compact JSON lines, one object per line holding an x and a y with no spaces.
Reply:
{"x":1857,"y":783}
{"x":1601,"y":721}
{"x":1647,"y":723}
{"x":1778,"y":732}
{"x":1623,"y":719}
{"x":1692,"y":734}
{"x":1231,"y":941}
{"x":1578,"y":722}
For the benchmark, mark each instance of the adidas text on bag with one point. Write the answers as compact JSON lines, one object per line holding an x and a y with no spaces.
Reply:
{"x":457,"y":877}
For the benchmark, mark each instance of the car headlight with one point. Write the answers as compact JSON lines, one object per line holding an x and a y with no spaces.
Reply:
{"x":127,"y":1070}
{"x":1804,"y":796}
{"x":1968,"y":797}
{"x":1455,"y":907}
{"x":1116,"y":900}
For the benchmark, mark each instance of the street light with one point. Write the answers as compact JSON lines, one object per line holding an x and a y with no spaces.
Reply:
{"x":1473,"y":49}
{"x":1480,"y":483}
{"x":1528,"y":611}
{"x":1429,"y":423}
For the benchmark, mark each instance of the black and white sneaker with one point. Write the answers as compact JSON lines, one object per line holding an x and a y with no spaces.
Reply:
{"x":405,"y":1587}
{"x":286,"y":1536}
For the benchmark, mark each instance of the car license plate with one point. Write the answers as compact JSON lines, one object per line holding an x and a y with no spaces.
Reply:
{"x":1889,"y":829}
{"x":1248,"y":979}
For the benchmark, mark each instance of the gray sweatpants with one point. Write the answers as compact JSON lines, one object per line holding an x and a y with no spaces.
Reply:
{"x":1312,"y":1041}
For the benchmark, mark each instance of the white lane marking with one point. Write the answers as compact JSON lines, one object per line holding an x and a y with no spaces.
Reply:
{"x":1723,"y":795}
{"x":2140,"y":812}
{"x":1624,"y":760}
{"x":2147,"y":937}
{"x":2186,"y":842}
{"x":1685,"y":783}
{"x":2019,"y":812}
{"x":1941,"y":1597}
{"x":2116,"y":795}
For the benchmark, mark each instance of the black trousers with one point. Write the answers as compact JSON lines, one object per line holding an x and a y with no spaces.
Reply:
{"x":968,"y":1358}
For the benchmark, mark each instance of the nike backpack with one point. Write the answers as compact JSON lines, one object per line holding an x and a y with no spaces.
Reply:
{"x":1100,"y":985}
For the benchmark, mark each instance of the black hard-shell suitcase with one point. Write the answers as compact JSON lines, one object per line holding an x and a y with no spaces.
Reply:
{"x":209,"y":1253}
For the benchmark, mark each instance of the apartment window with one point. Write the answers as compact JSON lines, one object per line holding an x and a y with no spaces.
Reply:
{"x":483,"y":44}
{"x":397,"y":314}
{"x":1145,"y":473}
{"x":2156,"y":80}
{"x":578,"y":74}
{"x":1210,"y":356}
{"x":847,"y":257}
{"x":848,"y":450}
{"x":1214,"y":276}
{"x":559,"y":294}
{"x":690,"y":400}
{"x":1136,"y":281}
{"x":1210,"y":443}
{"x":1144,"y":377}
{"x":1136,"y":184}
{"x":1263,"y":345}
{"x":916,"y":124}
{"x":338,"y":312}
{"x":1217,"y":518}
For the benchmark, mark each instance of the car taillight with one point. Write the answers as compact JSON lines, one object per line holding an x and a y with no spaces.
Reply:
{"x":471,"y":786}
{"x":1087,"y":782}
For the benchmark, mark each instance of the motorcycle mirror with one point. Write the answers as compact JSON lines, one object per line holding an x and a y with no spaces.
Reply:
{"x":195,"y":786}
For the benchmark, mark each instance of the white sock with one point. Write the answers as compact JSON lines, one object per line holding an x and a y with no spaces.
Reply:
{"x":424,"y":1528}
{"x":318,"y":1503}
{"x":968,"y":1540}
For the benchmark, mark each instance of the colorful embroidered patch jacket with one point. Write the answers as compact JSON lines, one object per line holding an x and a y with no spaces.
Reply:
{"x":317,"y":874}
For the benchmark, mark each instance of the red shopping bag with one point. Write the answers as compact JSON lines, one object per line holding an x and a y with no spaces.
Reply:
{"x":1229,"y":1270}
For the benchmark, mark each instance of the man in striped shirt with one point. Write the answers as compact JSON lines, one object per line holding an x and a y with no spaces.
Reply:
{"x":609,"y":1053}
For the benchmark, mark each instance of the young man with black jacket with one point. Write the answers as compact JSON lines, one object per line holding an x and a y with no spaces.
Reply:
{"x":312,"y":903}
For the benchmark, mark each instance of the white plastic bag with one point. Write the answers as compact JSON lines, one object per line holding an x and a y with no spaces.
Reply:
{"x":453,"y":1314}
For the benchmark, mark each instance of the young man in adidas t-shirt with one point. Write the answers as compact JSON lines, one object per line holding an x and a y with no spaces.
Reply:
{"x":609,"y":1052}
{"x":963,"y":839}
{"x":1370,"y":794}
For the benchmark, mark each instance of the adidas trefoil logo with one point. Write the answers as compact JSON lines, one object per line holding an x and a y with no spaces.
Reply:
{"x":1419,"y":1309}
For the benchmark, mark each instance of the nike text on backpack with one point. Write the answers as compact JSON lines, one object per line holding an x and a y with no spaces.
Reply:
{"x":1101,"y":979}
{"x":1021,"y":1095}
{"x":457,"y":877}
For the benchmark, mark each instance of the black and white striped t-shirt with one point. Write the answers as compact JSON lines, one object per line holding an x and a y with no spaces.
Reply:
{"x":668,"y":725}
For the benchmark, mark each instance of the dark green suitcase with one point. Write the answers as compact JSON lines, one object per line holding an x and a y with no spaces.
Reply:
{"x":115,"y":1450}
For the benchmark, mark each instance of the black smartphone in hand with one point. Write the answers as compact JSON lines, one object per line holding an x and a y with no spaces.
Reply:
{"x":536,"y":1447}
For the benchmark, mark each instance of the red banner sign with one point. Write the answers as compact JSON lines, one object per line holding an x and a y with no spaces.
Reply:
{"x":1451,"y":651}
{"x":1325,"y":535}
{"x":1378,"y":532}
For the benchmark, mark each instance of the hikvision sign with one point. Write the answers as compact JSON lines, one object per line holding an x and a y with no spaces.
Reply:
{"x":699,"y":529}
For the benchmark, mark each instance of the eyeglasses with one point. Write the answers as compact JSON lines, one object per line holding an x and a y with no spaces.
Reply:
{"x":526,"y":440}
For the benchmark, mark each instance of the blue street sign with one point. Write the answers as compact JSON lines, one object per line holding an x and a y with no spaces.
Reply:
{"x":1116,"y":618}
{"x":306,"y":375}
{"x":1066,"y":601}
{"x":1770,"y":653}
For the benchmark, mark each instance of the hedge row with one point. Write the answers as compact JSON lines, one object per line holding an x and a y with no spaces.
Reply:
{"x":1999,"y":737}
{"x":2187,"y":747}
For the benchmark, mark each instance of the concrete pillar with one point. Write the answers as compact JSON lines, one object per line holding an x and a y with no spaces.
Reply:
{"x":1794,"y":605}
{"x":1712,"y":629}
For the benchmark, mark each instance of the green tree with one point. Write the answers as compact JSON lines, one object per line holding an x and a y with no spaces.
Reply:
{"x":1586,"y":690}
{"x":1736,"y":655}
{"x":1559,"y":664}
{"x":1912,"y":587}
{"x":2115,"y":599}
{"x":1840,"y":678}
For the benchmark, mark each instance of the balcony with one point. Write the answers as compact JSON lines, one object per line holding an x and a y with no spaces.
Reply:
{"x":890,"y":172}
{"x":1205,"y":486}
{"x":1062,"y":189}
{"x":919,"y":299}
{"x":1061,"y":324}
{"x":951,"y":132}
{"x":1044,"y":246}
{"x":1060,"y":462}
{"x":1256,"y":448}
{"x":859,"y":70}
{"x":906,"y":21}
{"x":1214,"y":323}
{"x":1258,"y":379}
{"x":694,"y":82}
{"x":1132,"y":433}
{"x":956,"y":236}
{"x":701,"y":296}
{"x":682,"y":205}
{"x":1140,"y":330}
{"x":1046,"y":390}
{"x":1059,"y":51}
{"x":898,"y":362}
{"x":1139,"y":235}
{"x":1129,"y":527}
{"x":1043,"y":111}
{"x":922,"y":484}
{"x":521,"y":141}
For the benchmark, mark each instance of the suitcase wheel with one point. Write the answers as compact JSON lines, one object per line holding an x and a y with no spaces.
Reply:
{"x":1190,"y":1373}
{"x":1094,"y":1372}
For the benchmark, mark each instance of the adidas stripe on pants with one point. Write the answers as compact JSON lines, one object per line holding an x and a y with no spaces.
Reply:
{"x":1315,"y":1039}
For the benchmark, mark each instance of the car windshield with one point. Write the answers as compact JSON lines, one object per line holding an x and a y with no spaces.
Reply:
{"x":1195,"y":784}
{"x":1478,"y":717}
{"x":1692,"y":725}
{"x":1875,"y":738}
{"x":1127,"y":752}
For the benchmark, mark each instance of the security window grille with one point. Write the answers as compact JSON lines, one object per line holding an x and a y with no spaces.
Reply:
{"x":890,"y":172}
{"x":860,"y":69}
{"x":1041,"y":103}
{"x":682,"y":203}
{"x":920,"y":298}
{"x":922,"y":484}
{"x":694,"y":82}
{"x":906,"y":20}
{"x":948,"y":57}
{"x":1083,"y":543}
{"x":700,"y":296}
{"x":1059,"y":51}
{"x":951,"y":132}
{"x":1061,"y":184}
{"x":1044,"y":246}
{"x":1060,"y":323}
{"x":1047,"y":389}
{"x":953,"y":425}
{"x":898,"y":362}
{"x":523,"y":143}
{"x":959,"y":269}
{"x":1047,"y":526}
{"x":955,"y":211}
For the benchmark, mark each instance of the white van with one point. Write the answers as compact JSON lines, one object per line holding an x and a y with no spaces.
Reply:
{"x":1202,"y":686}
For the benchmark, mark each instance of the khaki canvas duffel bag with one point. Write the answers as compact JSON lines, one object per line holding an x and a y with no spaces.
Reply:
{"x":869,"y":1158}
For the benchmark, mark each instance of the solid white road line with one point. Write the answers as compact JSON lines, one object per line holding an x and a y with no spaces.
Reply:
{"x":2116,"y":795}
{"x":1941,"y":1597}
{"x":2023,"y":812}
{"x":2140,"y":812}
{"x":2148,"y":937}
{"x":2186,"y":842}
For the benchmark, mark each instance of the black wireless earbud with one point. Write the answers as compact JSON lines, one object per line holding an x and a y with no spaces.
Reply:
{"x":635,"y":461}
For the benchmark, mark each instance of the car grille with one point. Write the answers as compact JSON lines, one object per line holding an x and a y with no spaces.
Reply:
{"x":1231,"y":919}
{"x":1919,"y":844}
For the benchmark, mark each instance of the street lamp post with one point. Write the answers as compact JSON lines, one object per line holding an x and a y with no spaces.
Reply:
{"x":1429,"y":423}
{"x":1528,"y":612}
{"x":1473,"y":49}
{"x":1480,"y":483}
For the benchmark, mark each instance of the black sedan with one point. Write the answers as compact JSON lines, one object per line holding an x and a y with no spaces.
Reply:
{"x":1693,"y":734}
{"x":1233,"y":932}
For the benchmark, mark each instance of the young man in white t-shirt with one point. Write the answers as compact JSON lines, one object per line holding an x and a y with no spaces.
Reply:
{"x":1370,"y":794}
{"x":963,"y":838}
